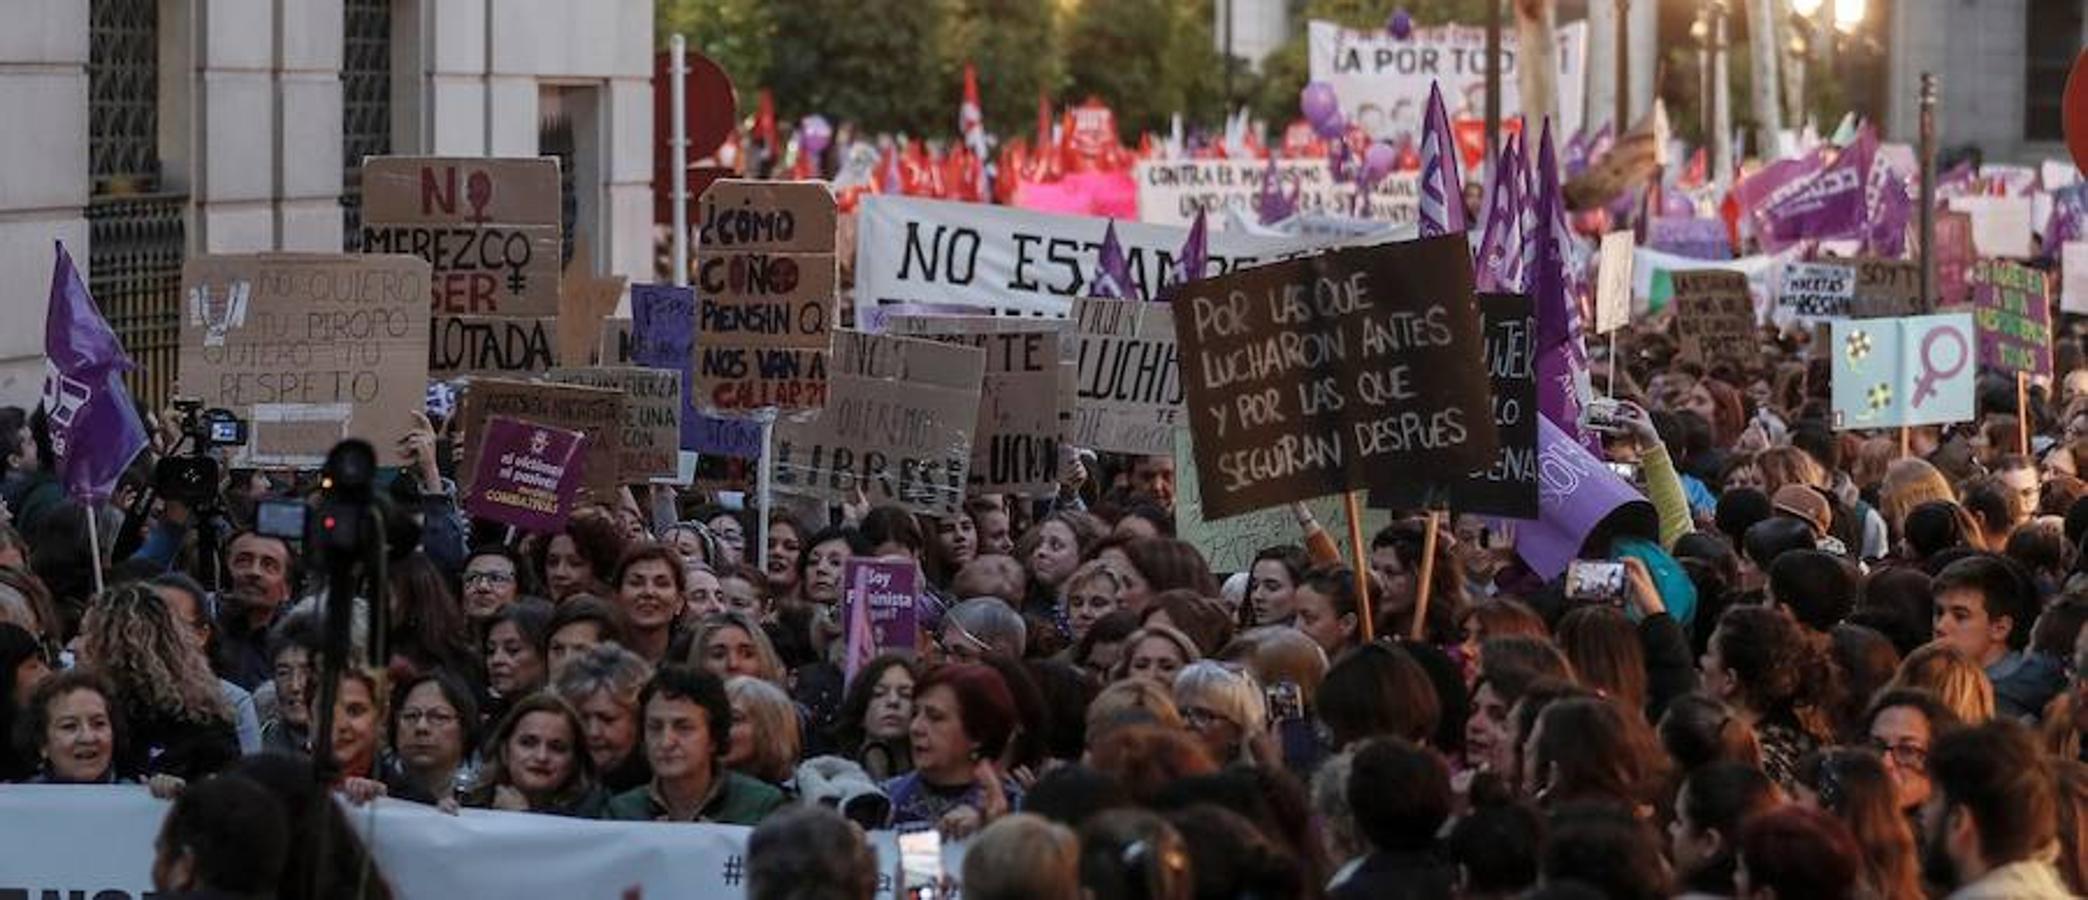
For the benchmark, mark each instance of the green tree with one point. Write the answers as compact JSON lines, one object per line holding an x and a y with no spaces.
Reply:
{"x":882,"y":63}
{"x":1015,"y":46}
{"x":736,"y":34}
{"x":1286,"y":70}
{"x":1148,"y":59}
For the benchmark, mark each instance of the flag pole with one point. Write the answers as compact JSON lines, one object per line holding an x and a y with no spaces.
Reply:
{"x":1362,"y":563}
{"x":94,"y":544}
{"x":2023,"y":413}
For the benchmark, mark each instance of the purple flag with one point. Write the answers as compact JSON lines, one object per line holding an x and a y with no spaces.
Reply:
{"x":95,"y":429}
{"x":1575,"y":160}
{"x":1112,"y":270}
{"x":1893,"y":207}
{"x":1500,"y":243}
{"x":882,"y":596}
{"x":2069,"y":219}
{"x":1442,"y":191}
{"x":1757,"y":191}
{"x":1195,"y":255}
{"x":1561,"y":360}
{"x":1830,"y":204}
{"x":663,"y":336}
{"x":1272,"y":205}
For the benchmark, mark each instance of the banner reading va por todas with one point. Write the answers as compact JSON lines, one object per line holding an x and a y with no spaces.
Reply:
{"x":1382,"y":81}
{"x":96,"y":841}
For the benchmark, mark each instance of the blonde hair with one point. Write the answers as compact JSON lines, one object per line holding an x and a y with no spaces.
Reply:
{"x":131,"y":636}
{"x":1871,"y":459}
{"x":1788,"y":465}
{"x":771,"y":664}
{"x":1128,"y":702}
{"x":1092,"y":570}
{"x":774,"y":719}
{"x":1023,"y":855}
{"x":1909,"y":483}
{"x":1279,"y":653}
{"x":1182,"y":642}
{"x":1232,"y":694}
{"x":1958,"y":682}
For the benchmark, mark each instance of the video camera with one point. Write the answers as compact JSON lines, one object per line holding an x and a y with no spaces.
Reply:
{"x":189,"y":473}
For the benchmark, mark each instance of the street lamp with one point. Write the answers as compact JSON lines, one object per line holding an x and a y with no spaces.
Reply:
{"x":1848,"y":14}
{"x":1805,"y":9}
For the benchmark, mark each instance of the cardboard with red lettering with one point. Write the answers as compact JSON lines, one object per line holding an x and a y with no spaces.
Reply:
{"x":765,"y":279}
{"x":489,"y":227}
{"x":595,"y":412}
{"x":1015,"y":448}
{"x":899,"y":427}
{"x":527,"y":475}
{"x":311,"y":348}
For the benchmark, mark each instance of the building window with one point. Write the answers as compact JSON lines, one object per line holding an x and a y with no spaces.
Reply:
{"x":2053,"y":40}
{"x":365,"y":102}
{"x":136,"y":235}
{"x":555,"y":138}
{"x":123,"y":95}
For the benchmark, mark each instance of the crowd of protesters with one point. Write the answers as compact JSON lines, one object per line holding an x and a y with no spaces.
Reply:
{"x":1846,"y":665}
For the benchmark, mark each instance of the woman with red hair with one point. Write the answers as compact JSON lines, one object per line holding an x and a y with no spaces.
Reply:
{"x":963,"y":717}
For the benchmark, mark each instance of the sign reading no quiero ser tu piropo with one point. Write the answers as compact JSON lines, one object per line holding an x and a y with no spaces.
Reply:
{"x":1351,"y":369}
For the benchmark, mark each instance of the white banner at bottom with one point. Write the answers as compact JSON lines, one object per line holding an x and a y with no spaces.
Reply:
{"x":96,"y":841}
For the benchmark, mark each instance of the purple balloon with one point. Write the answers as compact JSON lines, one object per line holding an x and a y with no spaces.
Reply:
{"x":1378,"y":162}
{"x":1318,"y":103}
{"x":814,"y":133}
{"x":1401,"y":24}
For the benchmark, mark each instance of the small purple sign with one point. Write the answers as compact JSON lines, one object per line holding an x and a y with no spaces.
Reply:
{"x":1696,"y":237}
{"x":888,"y":589}
{"x":527,"y":475}
{"x":663,"y":336}
{"x":2012,"y":305}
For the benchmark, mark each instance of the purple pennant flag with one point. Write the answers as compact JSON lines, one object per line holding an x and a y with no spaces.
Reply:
{"x":1575,"y":160}
{"x":1194,"y":256}
{"x":95,"y":429}
{"x":1561,"y":360}
{"x":2069,"y":219}
{"x":1760,"y":190}
{"x":1828,"y":205}
{"x":1112,"y":270}
{"x":1500,"y":243}
{"x":1272,"y":205}
{"x":1442,"y":191}
{"x":1886,"y":233}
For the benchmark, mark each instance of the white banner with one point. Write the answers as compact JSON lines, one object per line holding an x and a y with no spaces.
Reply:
{"x":1382,"y":81}
{"x":68,"y":840}
{"x":1171,"y":193}
{"x":1015,"y":262}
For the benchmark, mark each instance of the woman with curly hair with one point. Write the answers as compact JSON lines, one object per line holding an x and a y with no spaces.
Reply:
{"x":1777,"y":681}
{"x":179,"y":722}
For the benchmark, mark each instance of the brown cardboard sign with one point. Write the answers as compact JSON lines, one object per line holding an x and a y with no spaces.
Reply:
{"x":652,"y":416}
{"x":595,"y":412}
{"x":491,"y":345}
{"x":1015,"y":448}
{"x":1887,"y":289}
{"x":489,"y":227}
{"x":1714,"y":318}
{"x":1130,"y":383}
{"x":899,"y":427}
{"x":615,"y":349}
{"x":766,"y":276}
{"x":301,"y":338}
{"x":1355,"y":368}
{"x":584,"y":301}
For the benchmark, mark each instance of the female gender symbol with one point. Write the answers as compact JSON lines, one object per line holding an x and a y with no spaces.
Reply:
{"x":1925,"y":384}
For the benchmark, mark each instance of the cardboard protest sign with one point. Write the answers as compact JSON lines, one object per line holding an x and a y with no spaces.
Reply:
{"x":1015,"y":448}
{"x":1954,"y":257}
{"x":898,"y":428}
{"x":1172,"y":192}
{"x":1229,"y":544}
{"x":311,"y":348}
{"x":1887,"y":288}
{"x":595,"y":412}
{"x":1130,"y":384}
{"x":1356,"y":368}
{"x":651,"y":417}
{"x":2000,"y":225}
{"x":1613,"y":285}
{"x":1382,"y":81}
{"x":489,"y":227}
{"x":1506,"y":484}
{"x":2012,"y":306}
{"x":491,"y":345}
{"x":1008,"y":261}
{"x":888,"y":590}
{"x":1916,"y":370}
{"x":766,"y":271}
{"x":584,"y":302}
{"x":1817,"y":290}
{"x":615,"y":348}
{"x":1691,"y":236}
{"x":1714,"y":319}
{"x":527,"y":475}
{"x":2073,"y":266}
{"x":663,"y":336}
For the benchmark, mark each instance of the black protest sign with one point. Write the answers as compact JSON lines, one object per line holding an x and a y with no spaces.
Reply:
{"x":1015,"y":449}
{"x":491,"y":345}
{"x":1507,"y":485}
{"x":766,"y":276}
{"x":1356,"y":368}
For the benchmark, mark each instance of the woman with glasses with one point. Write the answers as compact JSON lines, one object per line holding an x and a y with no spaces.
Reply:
{"x":1224,"y":706}
{"x":1853,"y":785}
{"x":1902,"y":724}
{"x":433,"y":733}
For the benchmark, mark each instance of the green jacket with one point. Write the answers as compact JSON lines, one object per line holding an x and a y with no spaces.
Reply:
{"x":737,"y":800}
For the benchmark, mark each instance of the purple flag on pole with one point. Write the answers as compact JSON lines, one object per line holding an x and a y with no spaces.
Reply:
{"x":1500,"y":244}
{"x":1561,"y":360}
{"x":1112,"y":270}
{"x":1272,"y":205}
{"x":95,"y":429}
{"x":1830,"y":204}
{"x":1575,"y":492}
{"x":1195,"y":254}
{"x":1442,"y":191}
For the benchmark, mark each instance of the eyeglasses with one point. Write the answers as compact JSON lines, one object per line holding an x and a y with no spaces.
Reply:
{"x":471,"y":578}
{"x":436,"y":718}
{"x":1200,"y":717}
{"x":1905,"y":754}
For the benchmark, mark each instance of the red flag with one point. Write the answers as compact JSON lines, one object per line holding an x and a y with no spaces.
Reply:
{"x":765,"y":120}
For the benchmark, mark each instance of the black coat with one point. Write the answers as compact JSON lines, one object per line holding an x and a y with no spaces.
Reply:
{"x":160,"y":744}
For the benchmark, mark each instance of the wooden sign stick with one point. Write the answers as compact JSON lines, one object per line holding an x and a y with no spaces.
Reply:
{"x":1364,"y":613}
{"x":2023,"y":413}
{"x":1421,"y":590}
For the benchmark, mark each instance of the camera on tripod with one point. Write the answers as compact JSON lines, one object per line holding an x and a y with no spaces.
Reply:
{"x":190,"y":473}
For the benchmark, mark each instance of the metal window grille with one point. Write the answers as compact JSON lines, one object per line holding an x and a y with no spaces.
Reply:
{"x":365,"y":103}
{"x":555,"y":138}
{"x":136,"y":236}
{"x":2053,"y":37}
{"x":123,"y":95}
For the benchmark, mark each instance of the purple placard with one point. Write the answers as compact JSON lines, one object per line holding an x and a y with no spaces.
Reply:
{"x":890,"y":588}
{"x":2012,"y":305}
{"x":663,"y":336}
{"x":1575,"y":492}
{"x":527,"y":475}
{"x":1696,"y":237}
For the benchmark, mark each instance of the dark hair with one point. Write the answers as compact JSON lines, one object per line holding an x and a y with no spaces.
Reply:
{"x":1163,"y":522}
{"x":809,"y":853}
{"x":1338,"y":584}
{"x":1167,"y":564}
{"x":1191,"y":613}
{"x":1997,"y":773}
{"x":1496,"y":845}
{"x":1853,"y":785}
{"x":1399,"y":794}
{"x":494,"y":773}
{"x":1898,"y":602}
{"x":598,"y":541}
{"x":1133,"y":854}
{"x":1606,"y":654}
{"x":1722,"y":796}
{"x":234,"y":830}
{"x":17,"y":646}
{"x":984,"y":703}
{"x":1231,"y":858}
{"x":1739,"y":509}
{"x":653,"y":551}
{"x":454,"y":692}
{"x":890,"y":525}
{"x":433,"y":631}
{"x":347,"y":867}
{"x":2059,"y":625}
{"x":531,"y":616}
{"x":1780,"y":674}
{"x":1933,"y":527}
{"x":607,"y":617}
{"x":525,"y":576}
{"x":1609,"y":848}
{"x":1698,"y":731}
{"x":1819,"y":588}
{"x":2041,"y":549}
{"x":1066,"y":692}
{"x":693,"y":684}
{"x":1991,"y":504}
{"x":36,"y":716}
{"x":1800,"y":853}
{"x":1512,"y":662}
{"x":2005,"y":590}
{"x":1377,"y":689}
{"x":1073,"y":794}
{"x":1112,"y":628}
{"x":855,"y":703}
{"x":1775,"y":536}
{"x":1597,"y":749}
{"x":1866,"y":662}
{"x":1025,"y":746}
